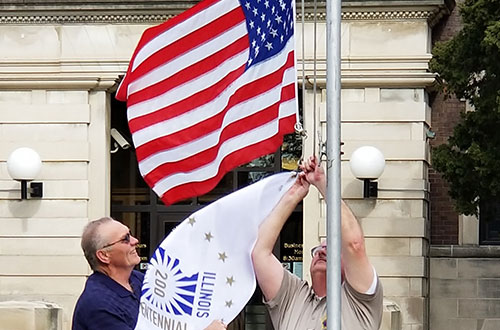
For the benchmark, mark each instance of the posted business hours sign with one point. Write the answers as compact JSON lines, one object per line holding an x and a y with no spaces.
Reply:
{"x":203,"y":270}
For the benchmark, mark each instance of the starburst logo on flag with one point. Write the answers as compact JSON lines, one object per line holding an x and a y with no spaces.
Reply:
{"x":179,"y":297}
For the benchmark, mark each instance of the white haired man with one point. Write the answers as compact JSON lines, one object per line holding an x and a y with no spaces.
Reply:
{"x":293,"y":304}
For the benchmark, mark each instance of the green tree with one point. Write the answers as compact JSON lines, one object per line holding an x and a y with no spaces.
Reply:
{"x":469,"y":66}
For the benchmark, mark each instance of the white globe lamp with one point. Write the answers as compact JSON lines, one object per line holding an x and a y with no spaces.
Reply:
{"x":367,"y":164}
{"x":23,"y":165}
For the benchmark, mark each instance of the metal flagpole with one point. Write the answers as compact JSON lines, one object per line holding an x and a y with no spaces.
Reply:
{"x":333,"y":88}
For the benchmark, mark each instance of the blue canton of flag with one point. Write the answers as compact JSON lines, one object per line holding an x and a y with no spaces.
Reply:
{"x":270,"y":25}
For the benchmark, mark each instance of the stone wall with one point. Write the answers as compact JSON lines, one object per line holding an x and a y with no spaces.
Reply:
{"x":464,"y":288}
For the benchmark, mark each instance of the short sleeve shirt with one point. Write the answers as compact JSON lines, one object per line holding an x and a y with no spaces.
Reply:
{"x":296,"y":307}
{"x":105,"y":304}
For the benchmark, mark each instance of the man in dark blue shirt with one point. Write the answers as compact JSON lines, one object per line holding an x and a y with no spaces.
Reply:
{"x":110,"y":300}
{"x":112,"y":293}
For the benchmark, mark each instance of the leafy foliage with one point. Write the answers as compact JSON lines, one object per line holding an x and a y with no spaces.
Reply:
{"x":469,"y":65}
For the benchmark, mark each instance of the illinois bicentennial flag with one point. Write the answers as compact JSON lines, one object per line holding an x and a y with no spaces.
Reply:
{"x":203,"y":270}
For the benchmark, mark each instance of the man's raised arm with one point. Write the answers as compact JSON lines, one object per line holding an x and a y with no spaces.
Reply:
{"x":358,"y":270}
{"x":268,"y":269}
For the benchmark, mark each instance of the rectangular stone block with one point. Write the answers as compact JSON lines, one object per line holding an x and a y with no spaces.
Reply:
{"x":43,"y":265}
{"x":62,"y":189}
{"x":443,"y":308}
{"x":478,"y":268}
{"x":61,"y":151}
{"x":45,"y":113}
{"x":418,"y":247}
{"x":489,"y":288}
{"x":44,"y":132}
{"x":67,"y":97}
{"x":445,"y":323}
{"x":399,"y":266}
{"x":376,"y":38}
{"x":395,"y":112}
{"x":453,"y":288}
{"x":34,"y":246}
{"x":491,"y":324}
{"x":386,"y":208}
{"x":387,"y":246}
{"x":383,"y":131}
{"x":418,"y":286}
{"x":353,"y":95}
{"x":43,"y":227}
{"x":42,"y":285}
{"x":44,"y":209}
{"x":479,"y":308}
{"x":395,"y":227}
{"x":15,"y":97}
{"x":443,"y":268}
{"x":394,"y":286}
{"x":21,"y":42}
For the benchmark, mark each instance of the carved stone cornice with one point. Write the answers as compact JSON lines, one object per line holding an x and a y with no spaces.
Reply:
{"x":138,"y":12}
{"x":88,"y":19}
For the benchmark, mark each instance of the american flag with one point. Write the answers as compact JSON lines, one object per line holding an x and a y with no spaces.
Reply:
{"x":209,"y":90}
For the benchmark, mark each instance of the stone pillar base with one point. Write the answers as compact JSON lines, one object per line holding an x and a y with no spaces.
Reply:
{"x":391,"y":317}
{"x":30,"y":315}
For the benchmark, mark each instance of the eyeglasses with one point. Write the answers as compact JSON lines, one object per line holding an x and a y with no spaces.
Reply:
{"x":316,"y":249}
{"x":125,"y":239}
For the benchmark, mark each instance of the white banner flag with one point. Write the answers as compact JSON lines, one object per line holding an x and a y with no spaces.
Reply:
{"x":203,"y":270}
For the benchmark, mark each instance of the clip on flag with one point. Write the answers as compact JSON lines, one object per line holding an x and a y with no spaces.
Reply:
{"x":209,"y":90}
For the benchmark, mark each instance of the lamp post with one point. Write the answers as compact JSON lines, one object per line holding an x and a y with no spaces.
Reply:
{"x":23,"y":165}
{"x":367,"y":164}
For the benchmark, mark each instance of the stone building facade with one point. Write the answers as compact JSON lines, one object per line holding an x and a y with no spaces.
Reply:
{"x":61,"y":61}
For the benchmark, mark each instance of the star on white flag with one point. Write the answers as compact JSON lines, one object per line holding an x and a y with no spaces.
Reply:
{"x":203,"y":270}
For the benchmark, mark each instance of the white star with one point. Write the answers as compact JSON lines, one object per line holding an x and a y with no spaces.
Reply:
{"x":230,"y":280}
{"x":223,"y":256}
{"x":273,"y":10}
{"x":273,"y":32}
{"x":266,"y":3}
{"x":258,"y":30}
{"x":263,"y":37}
{"x":269,"y":46}
{"x":255,"y":12}
{"x":247,"y":5}
{"x":256,"y":51}
{"x":278,"y":19}
{"x":249,"y":61}
{"x":254,"y":43}
{"x":208,"y":236}
{"x":263,"y":17}
{"x":281,"y":39}
{"x":268,"y":23}
{"x":252,"y":24}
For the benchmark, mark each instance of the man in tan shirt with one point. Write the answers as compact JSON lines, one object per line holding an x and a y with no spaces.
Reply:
{"x":293,"y":304}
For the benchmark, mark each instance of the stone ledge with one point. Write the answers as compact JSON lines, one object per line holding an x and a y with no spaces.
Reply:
{"x":464,"y":251}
